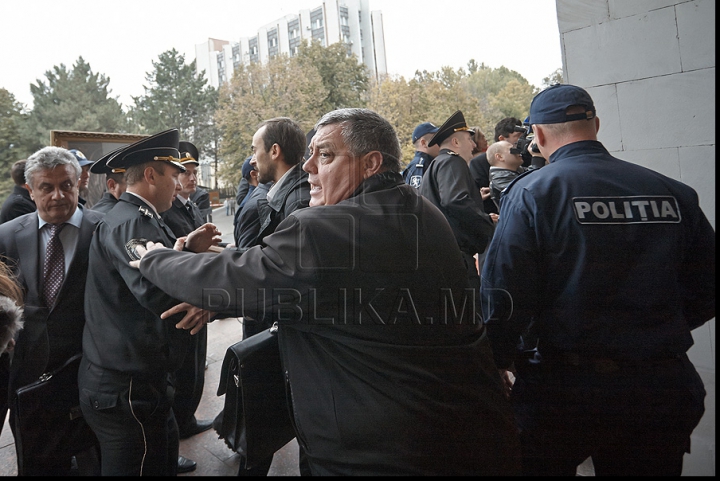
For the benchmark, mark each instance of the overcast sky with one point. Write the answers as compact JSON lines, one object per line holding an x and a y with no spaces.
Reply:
{"x":120,"y":39}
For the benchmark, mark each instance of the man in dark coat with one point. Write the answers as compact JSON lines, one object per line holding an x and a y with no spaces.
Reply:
{"x":19,"y":201}
{"x":129,"y":353}
{"x":449,"y":185}
{"x":389,"y":370}
{"x":53,"y":327}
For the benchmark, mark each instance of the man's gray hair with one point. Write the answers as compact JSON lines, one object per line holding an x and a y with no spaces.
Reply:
{"x":49,"y":158}
{"x":364,"y":131}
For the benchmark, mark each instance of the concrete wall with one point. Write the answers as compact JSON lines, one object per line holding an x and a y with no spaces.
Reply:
{"x":650,"y":67}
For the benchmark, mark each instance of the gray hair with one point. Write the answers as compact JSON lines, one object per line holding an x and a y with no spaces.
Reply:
{"x":364,"y":131}
{"x":11,"y":321}
{"x":49,"y":158}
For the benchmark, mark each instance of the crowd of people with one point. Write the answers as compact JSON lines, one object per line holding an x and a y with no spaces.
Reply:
{"x":502,"y":309}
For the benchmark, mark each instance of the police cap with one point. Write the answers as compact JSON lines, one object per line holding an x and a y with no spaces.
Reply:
{"x":550,"y":105}
{"x":455,"y":123}
{"x":100,"y":165}
{"x":189,"y":153}
{"x":163,"y":147}
{"x":82,"y":160}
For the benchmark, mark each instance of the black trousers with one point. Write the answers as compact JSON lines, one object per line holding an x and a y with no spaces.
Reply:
{"x":633,"y":420}
{"x":190,"y":381}
{"x":132,"y":419}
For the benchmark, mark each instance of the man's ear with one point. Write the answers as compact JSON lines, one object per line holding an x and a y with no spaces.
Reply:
{"x":373,"y":163}
{"x":29,"y":189}
{"x":275,"y":151}
{"x":539,"y":135}
{"x":150,"y":175}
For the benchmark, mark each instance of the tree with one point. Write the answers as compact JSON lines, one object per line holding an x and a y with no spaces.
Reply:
{"x":76,"y":99}
{"x":283,"y":87}
{"x":345,"y":79}
{"x":14,"y":142}
{"x":554,"y":78}
{"x":177,"y":97}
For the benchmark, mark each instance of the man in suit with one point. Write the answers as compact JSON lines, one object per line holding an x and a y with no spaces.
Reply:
{"x":182,"y":218}
{"x":130,"y":354}
{"x":54,"y":318}
{"x":19,"y":201}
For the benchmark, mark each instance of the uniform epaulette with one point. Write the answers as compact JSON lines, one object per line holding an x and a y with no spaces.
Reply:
{"x":144,"y":211}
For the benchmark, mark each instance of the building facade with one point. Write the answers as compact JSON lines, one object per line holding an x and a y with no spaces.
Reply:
{"x":650,"y":67}
{"x":348,"y":21}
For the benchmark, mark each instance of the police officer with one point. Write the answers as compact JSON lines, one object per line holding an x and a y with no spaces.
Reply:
{"x":449,"y":185}
{"x":114,"y":183}
{"x":597,"y":273}
{"x":413,"y":173}
{"x":129,"y":352}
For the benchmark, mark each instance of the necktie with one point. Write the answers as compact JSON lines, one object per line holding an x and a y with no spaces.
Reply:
{"x":54,"y":267}
{"x":188,"y":206}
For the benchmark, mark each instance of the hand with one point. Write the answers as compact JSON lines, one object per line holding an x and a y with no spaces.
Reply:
{"x":150,"y":246}
{"x":203,"y":237}
{"x":495,"y":217}
{"x":195,"y":318}
{"x":485,"y":193}
{"x":507,"y":381}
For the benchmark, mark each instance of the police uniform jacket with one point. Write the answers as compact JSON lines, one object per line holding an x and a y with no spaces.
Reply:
{"x":124,"y":331}
{"x":598,"y":256}
{"x":293,"y":194}
{"x":182,"y":220}
{"x":449,"y":186}
{"x":18,"y":203}
{"x":106,"y":202}
{"x":415,"y":170}
{"x":51,"y":334}
{"x":384,"y":378}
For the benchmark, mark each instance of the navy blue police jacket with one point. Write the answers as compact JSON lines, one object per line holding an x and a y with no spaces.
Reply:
{"x":598,"y":256}
{"x":413,"y":173}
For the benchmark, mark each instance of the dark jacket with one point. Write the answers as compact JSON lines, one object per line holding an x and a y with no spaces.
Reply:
{"x":449,"y":186}
{"x":106,"y":202}
{"x":387,"y":376}
{"x":247,"y":227}
{"x":181,"y":220}
{"x":415,"y":170}
{"x":293,"y":194}
{"x":501,"y":178}
{"x":123,"y":329}
{"x":480,"y":171}
{"x":17,"y":203}
{"x":601,"y":257}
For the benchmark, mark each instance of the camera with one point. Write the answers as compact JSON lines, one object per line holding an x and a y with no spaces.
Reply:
{"x":522,"y":147}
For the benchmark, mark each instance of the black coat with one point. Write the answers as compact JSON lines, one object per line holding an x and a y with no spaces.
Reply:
{"x":181,"y":220}
{"x":123,"y":329}
{"x":449,"y":185}
{"x":293,"y":194}
{"x":106,"y":202}
{"x":17,"y":203}
{"x":384,"y":378}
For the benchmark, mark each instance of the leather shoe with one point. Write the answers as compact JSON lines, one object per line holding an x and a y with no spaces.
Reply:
{"x":185,"y":465}
{"x":196,"y":427}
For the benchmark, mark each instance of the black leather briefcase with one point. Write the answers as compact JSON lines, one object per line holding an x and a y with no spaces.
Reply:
{"x":48,"y":417}
{"x":256,"y":418}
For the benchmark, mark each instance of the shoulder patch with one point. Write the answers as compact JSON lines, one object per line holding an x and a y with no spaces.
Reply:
{"x":643,"y":209}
